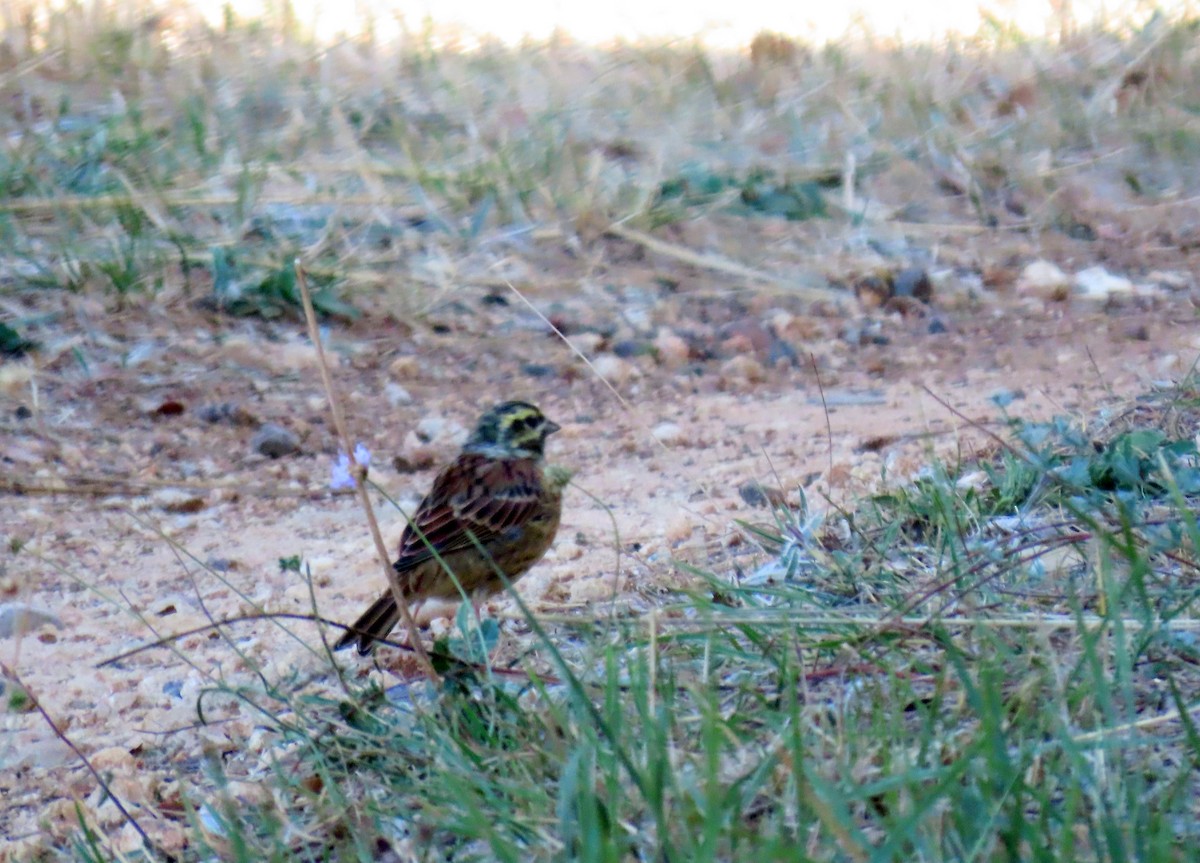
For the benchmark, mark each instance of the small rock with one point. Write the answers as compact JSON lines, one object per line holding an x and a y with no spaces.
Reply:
{"x":975,"y":481}
{"x":629,"y":348}
{"x":796,"y":328}
{"x":936,"y":327}
{"x":433,"y":438}
{"x":226,"y":412}
{"x":1045,"y":280}
{"x":672,"y":350}
{"x":538,"y":370}
{"x":874,"y":290}
{"x":1098,"y":283}
{"x":615,"y":370}
{"x":396,"y":394}
{"x":1004,"y":397}
{"x":679,"y":529}
{"x":1171,"y":280}
{"x":743,"y":337}
{"x":167,"y":408}
{"x":587,"y":343}
{"x":914,"y":282}
{"x":756,"y":494}
{"x":743,"y":370}
{"x":178,"y":500}
{"x":567,"y":551}
{"x":280,"y":357}
{"x":668,"y":434}
{"x":404,"y":368}
{"x":782,"y":354}
{"x":435,"y":429}
{"x":18,"y":619}
{"x":274,"y":441}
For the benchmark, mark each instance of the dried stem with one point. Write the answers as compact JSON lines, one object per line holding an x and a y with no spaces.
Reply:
{"x":359,"y":472}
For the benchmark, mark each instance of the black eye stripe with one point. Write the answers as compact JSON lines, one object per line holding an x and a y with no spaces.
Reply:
{"x":523,"y":423}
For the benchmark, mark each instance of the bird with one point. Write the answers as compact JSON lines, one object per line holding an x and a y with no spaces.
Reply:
{"x":497,"y":506}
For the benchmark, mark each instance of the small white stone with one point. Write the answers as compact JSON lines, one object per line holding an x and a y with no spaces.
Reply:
{"x":672,"y":350}
{"x":613,"y":369}
{"x":586,"y":343}
{"x":1044,"y":279}
{"x":567,"y":551}
{"x":668,"y":433}
{"x":396,"y":394}
{"x":1098,"y":283}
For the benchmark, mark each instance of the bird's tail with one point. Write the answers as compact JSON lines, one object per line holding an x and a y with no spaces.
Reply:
{"x":375,"y":623}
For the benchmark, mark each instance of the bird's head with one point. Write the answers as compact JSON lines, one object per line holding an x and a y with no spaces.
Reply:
{"x":512,"y":429}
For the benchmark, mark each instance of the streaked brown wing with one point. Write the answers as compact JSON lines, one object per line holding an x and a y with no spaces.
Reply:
{"x":474,"y":495}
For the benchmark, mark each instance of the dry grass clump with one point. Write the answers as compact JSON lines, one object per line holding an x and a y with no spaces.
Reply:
{"x":152,"y":151}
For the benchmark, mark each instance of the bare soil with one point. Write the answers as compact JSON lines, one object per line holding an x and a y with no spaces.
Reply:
{"x":167,"y":519}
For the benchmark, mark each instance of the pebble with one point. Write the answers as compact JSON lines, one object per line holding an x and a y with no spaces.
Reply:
{"x":16,"y":618}
{"x":178,"y":500}
{"x":567,"y":551}
{"x":538,"y":370}
{"x":743,"y":370}
{"x":756,"y":494}
{"x":668,"y":433}
{"x":587,"y":343}
{"x":874,"y":290}
{"x":226,"y":412}
{"x":1171,"y":280}
{"x":615,"y":370}
{"x":274,"y":441}
{"x":277,"y":357}
{"x":914,"y":282}
{"x":433,"y":438}
{"x":404,"y":368}
{"x":672,"y":350}
{"x":745,"y":336}
{"x":1045,"y":280}
{"x":678,"y":529}
{"x":782,"y":354}
{"x":629,"y":348}
{"x":396,"y":394}
{"x":1097,"y":283}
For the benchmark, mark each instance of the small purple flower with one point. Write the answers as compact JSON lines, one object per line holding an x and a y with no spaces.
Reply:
{"x":341,"y":473}
{"x":341,"y":476}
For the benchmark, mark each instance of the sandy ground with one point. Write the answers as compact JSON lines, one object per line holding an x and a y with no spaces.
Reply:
{"x":152,"y":439}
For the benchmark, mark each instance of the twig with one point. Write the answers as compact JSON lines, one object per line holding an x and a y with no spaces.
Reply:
{"x":1099,"y":374}
{"x":825,"y":407}
{"x":241,"y":618}
{"x":359,"y":473}
{"x":721,"y":265}
{"x":128,"y":487}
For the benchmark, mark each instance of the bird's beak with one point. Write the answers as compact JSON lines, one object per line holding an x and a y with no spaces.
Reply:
{"x":552,"y":427}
